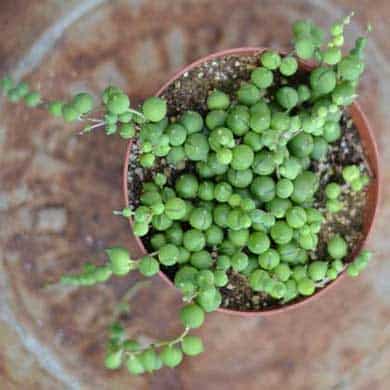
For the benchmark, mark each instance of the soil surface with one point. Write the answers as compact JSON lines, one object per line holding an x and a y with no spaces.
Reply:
{"x":190,"y":92}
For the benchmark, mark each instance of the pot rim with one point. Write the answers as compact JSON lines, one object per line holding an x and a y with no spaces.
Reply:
{"x":372,"y":207}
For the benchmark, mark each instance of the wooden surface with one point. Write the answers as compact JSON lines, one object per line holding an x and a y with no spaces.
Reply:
{"x":57,"y":191}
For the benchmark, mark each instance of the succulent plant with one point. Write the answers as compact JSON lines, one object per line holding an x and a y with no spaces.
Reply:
{"x":245,"y":206}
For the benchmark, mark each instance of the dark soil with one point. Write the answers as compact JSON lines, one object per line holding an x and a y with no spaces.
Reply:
{"x":190,"y":92}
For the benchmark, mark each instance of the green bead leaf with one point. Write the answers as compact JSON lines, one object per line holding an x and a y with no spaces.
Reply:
{"x":192,"y":345}
{"x":69,"y":113}
{"x":118,"y":103}
{"x":148,"y":266}
{"x":32,"y":99}
{"x":154,"y":109}
{"x":304,"y":48}
{"x":337,"y":247}
{"x":171,"y":356}
{"x":120,"y":261}
{"x":135,"y":365}
{"x":323,"y":80}
{"x":113,"y":360}
{"x":192,"y":316}
{"x":83,"y":103}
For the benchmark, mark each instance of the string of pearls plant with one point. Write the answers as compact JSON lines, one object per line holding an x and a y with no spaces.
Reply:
{"x":247,"y":206}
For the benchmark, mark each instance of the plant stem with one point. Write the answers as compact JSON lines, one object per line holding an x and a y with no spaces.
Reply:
{"x":137,"y":113}
{"x":90,"y":128}
{"x":117,"y":212}
{"x":287,"y":135}
{"x":191,"y":298}
{"x":101,"y":123}
{"x":128,"y":295}
{"x":160,"y":344}
{"x":172,"y":342}
{"x":93,"y":120}
{"x":323,"y":282}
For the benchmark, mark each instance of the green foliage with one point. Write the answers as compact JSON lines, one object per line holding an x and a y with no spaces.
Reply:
{"x":32,"y":99}
{"x":119,"y":260}
{"x":192,"y":345}
{"x":148,"y":266}
{"x":241,"y":194}
{"x":304,"y":48}
{"x":118,"y":103}
{"x":301,"y":145}
{"x":350,"y":173}
{"x":306,"y":286}
{"x":317,"y":270}
{"x":323,"y":80}
{"x":127,"y":130}
{"x":262,"y":77}
{"x":334,"y":205}
{"x":55,"y":108}
{"x":248,"y":94}
{"x":288,"y":66}
{"x":192,"y":316}
{"x":359,"y":264}
{"x":271,"y":60}
{"x":113,"y":360}
{"x":332,"y":190}
{"x":337,"y":247}
{"x":83,"y":103}
{"x":69,"y":113}
{"x":218,"y":100}
{"x":154,"y":109}
{"x":90,"y":276}
{"x":6,"y":84}
{"x":296,"y":217}
{"x":287,"y":97}
{"x":171,"y":356}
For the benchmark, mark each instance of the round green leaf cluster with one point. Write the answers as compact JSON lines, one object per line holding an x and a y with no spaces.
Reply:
{"x":307,"y":38}
{"x":246,"y":204}
{"x":148,"y":124}
{"x":249,"y":198}
{"x":140,"y":360}
{"x":354,"y":178}
{"x":154,"y":109}
{"x":241,"y":200}
{"x":119,"y":264}
{"x":359,"y":264}
{"x":332,"y":192}
{"x":119,"y":260}
{"x":73,"y":110}
{"x":90,"y":276}
{"x":19,"y":92}
{"x":242,"y":194}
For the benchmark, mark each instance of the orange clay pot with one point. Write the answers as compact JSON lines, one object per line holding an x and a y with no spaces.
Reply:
{"x":371,"y":155}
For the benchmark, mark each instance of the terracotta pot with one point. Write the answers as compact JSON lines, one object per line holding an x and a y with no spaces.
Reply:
{"x":371,"y":154}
